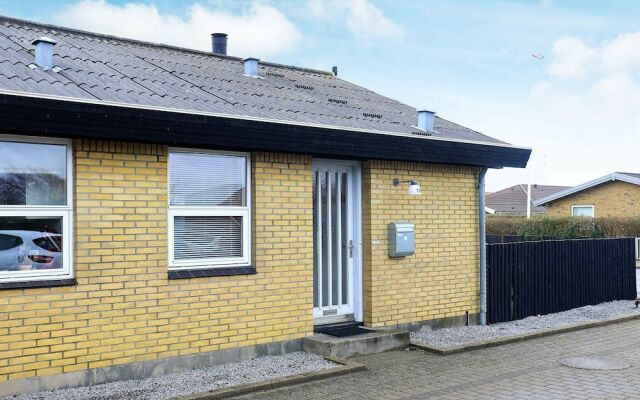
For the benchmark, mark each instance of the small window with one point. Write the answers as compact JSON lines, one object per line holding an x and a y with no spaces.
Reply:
{"x":582,"y":211}
{"x":209,"y":213}
{"x":35,"y":209}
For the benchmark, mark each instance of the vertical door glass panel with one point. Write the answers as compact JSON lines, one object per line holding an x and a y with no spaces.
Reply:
{"x":335,"y":235}
{"x":344,"y":238}
{"x":316,"y":292}
{"x":326,"y":251}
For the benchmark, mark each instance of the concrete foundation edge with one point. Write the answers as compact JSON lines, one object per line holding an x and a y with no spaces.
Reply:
{"x":435,"y":324}
{"x":345,"y":367}
{"x":145,"y":369}
{"x":445,"y":351}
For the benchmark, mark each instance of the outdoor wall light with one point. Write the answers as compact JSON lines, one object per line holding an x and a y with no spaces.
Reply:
{"x":414,"y":186}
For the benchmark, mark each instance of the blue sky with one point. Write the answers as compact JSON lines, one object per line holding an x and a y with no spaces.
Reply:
{"x":470,"y":61}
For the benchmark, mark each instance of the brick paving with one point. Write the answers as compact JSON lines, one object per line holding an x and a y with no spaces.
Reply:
{"x":526,"y":370}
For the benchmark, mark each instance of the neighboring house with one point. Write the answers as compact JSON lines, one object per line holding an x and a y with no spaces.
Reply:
{"x":613,"y":195}
{"x":513,"y":200}
{"x":217,"y":208}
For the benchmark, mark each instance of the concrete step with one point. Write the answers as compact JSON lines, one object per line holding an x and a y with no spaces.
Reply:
{"x":377,"y":341}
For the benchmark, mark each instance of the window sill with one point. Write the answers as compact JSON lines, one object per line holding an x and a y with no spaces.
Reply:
{"x":208,"y":272}
{"x":37,"y":284}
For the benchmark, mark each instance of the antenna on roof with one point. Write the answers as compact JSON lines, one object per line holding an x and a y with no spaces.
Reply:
{"x":334,"y":69}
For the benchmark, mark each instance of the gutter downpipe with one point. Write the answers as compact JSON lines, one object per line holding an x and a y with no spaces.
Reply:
{"x":483,"y":249}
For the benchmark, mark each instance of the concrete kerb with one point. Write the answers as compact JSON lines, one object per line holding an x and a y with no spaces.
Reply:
{"x":345,"y":367}
{"x":445,"y":351}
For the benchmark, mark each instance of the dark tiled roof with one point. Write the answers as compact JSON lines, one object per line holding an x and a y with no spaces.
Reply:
{"x":105,"y":68}
{"x":514,"y":199}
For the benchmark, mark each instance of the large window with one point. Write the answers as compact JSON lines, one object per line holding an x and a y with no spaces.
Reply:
{"x":582,"y":211}
{"x":209,"y":212}
{"x":35,"y":209}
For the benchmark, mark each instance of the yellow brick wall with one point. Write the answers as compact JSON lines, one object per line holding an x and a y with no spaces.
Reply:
{"x":611,"y":199}
{"x":441,"y":279}
{"x":124,"y":309}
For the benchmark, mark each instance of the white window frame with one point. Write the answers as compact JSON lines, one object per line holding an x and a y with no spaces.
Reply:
{"x":64,"y":211}
{"x":211,"y":211}
{"x":593,"y":210}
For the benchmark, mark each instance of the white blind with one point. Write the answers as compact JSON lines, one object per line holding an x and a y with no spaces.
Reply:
{"x":207,"y":180}
{"x":207,"y":237}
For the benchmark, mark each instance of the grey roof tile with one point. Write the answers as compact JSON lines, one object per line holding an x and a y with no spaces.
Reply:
{"x":121,"y":70}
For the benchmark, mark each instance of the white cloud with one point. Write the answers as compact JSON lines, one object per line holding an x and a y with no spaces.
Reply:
{"x":572,"y":58}
{"x":622,"y":53}
{"x":607,"y":98}
{"x":363,"y":19}
{"x":258,"y":30}
{"x":580,"y":130}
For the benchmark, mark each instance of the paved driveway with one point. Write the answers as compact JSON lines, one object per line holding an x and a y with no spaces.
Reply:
{"x":527,"y":370}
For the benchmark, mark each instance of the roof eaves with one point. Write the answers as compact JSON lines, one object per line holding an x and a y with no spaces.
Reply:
{"x":251,"y":118}
{"x":616,"y":176}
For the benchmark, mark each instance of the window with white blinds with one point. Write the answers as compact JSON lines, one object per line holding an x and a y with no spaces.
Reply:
{"x":209,"y":215}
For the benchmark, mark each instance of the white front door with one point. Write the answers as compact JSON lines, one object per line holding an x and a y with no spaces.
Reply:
{"x":336,"y":230}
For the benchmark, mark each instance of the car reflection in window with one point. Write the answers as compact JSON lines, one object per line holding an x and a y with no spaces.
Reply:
{"x":22,"y":250}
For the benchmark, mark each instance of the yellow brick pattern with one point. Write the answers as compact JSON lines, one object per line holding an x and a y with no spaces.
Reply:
{"x":611,"y":199}
{"x":124,"y":309}
{"x":441,"y":279}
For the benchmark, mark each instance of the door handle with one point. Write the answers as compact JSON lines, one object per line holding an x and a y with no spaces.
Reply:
{"x":350,"y":246}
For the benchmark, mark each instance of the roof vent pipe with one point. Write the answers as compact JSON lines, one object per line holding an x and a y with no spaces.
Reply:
{"x":44,"y":52}
{"x":425,"y":120}
{"x":251,"y":67}
{"x":219,"y":43}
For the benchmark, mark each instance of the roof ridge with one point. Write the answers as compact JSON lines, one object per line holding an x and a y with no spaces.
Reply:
{"x":587,"y":185}
{"x":521,"y":186}
{"x":501,"y":190}
{"x":158,"y":45}
{"x":466,"y":127}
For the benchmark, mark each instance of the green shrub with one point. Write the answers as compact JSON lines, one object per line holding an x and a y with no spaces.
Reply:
{"x":563,"y":227}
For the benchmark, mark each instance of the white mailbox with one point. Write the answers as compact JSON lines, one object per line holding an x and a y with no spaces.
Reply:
{"x":402,"y":239}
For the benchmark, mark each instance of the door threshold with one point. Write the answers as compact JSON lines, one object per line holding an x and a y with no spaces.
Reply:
{"x":333,"y":319}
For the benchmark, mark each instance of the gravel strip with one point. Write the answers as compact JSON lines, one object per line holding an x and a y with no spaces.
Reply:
{"x":462,"y":335}
{"x":192,"y":382}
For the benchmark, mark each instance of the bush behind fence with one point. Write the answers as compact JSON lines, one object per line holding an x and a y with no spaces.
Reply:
{"x":563,"y":228}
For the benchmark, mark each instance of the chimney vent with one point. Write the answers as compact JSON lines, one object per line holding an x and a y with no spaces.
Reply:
{"x":425,"y":120}
{"x":251,"y":67}
{"x":44,"y":52}
{"x":334,"y":69}
{"x":219,"y":43}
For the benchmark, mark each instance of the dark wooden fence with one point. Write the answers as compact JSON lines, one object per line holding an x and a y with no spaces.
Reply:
{"x":536,"y":278}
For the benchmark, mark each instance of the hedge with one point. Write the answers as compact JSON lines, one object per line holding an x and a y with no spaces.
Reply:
{"x":563,"y":227}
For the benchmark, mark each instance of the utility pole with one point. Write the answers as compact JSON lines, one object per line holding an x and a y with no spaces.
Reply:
{"x":528,"y":201}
